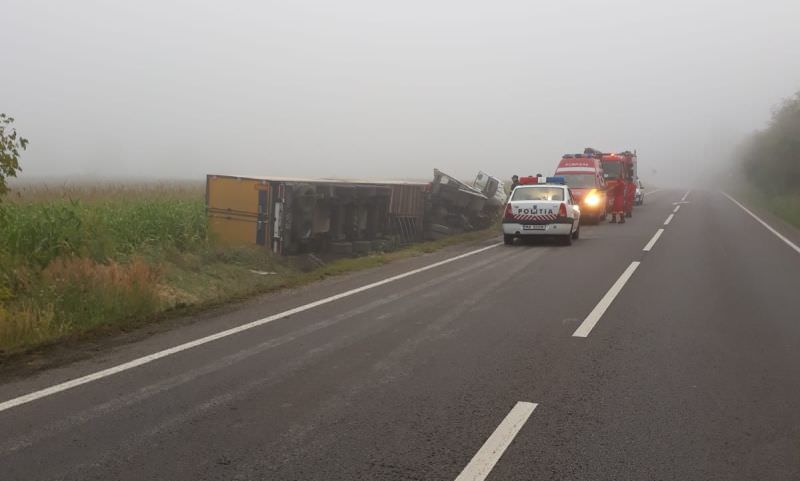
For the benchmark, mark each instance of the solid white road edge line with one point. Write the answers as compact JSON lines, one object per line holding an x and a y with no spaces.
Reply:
{"x":669,"y":219}
{"x":652,"y":192}
{"x":484,"y":460}
{"x":685,"y":195}
{"x":653,"y":240}
{"x":769,"y":228}
{"x":677,"y":208}
{"x":11,"y":403}
{"x":588,"y":324}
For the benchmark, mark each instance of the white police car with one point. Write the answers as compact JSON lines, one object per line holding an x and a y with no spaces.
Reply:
{"x":542,"y":209}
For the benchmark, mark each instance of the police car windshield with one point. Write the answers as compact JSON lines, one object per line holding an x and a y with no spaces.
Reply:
{"x":579,"y":181}
{"x":538,"y":193}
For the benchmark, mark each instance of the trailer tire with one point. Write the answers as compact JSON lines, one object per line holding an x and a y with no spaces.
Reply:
{"x":508,"y":239}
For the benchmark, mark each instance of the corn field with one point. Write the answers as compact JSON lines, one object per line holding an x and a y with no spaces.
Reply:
{"x":76,"y":257}
{"x":39,"y":232}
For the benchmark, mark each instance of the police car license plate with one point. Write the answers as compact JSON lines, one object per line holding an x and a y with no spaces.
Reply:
{"x":534,"y":227}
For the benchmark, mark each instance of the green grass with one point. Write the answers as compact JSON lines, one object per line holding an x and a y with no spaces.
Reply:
{"x":73,"y":267}
{"x":38,"y":233}
{"x":785,"y":206}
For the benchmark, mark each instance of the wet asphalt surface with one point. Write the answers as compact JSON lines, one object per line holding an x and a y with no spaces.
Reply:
{"x":693,"y":373}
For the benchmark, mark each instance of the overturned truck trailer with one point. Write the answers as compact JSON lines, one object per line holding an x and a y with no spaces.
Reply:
{"x":456,"y":207}
{"x":293,"y":216}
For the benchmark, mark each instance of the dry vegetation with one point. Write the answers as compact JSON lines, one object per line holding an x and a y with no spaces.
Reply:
{"x":104,"y":191}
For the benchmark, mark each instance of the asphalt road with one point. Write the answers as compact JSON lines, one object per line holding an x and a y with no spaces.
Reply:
{"x":691,"y":373}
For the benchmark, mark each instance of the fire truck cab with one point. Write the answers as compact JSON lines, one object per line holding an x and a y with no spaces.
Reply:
{"x":583,"y":173}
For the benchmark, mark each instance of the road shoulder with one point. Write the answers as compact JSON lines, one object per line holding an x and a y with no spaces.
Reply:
{"x":169,"y":330}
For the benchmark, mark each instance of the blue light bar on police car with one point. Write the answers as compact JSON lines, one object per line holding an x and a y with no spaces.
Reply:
{"x":556,"y":180}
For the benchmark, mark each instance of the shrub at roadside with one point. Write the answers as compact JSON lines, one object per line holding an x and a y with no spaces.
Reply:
{"x":771,"y":161}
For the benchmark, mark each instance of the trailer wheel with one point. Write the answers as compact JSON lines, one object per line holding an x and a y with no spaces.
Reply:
{"x":508,"y":239}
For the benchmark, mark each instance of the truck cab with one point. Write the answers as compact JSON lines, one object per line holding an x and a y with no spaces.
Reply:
{"x":583,"y":173}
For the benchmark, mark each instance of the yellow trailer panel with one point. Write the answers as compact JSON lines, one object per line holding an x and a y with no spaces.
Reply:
{"x":238,"y":209}
{"x":235,"y":194}
{"x":232,"y":229}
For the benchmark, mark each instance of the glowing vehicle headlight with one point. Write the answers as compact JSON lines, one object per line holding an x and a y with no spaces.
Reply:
{"x":592,"y":200}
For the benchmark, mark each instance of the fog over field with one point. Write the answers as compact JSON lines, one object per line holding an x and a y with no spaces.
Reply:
{"x":367,"y":88}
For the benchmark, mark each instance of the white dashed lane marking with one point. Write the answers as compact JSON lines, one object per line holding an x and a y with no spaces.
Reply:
{"x":591,"y":320}
{"x":485,"y":459}
{"x":653,"y":241}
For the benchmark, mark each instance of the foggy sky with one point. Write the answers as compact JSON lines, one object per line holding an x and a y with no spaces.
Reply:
{"x":371,"y":88}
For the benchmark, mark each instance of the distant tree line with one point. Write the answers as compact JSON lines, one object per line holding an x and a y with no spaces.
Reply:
{"x":771,"y":157}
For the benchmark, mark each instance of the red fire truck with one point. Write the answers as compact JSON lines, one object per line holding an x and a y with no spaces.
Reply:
{"x":584,"y":176}
{"x":619,"y":171}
